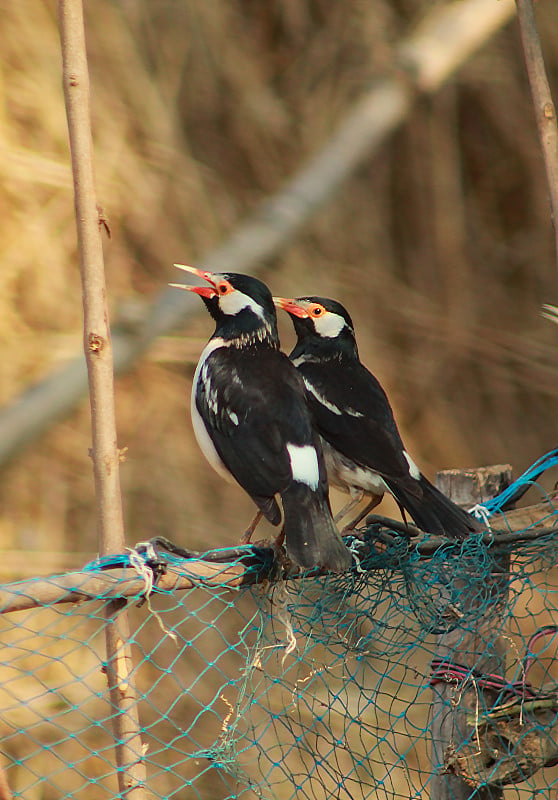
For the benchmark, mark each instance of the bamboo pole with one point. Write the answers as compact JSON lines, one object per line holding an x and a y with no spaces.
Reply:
{"x":98,"y":353}
{"x":114,"y":584}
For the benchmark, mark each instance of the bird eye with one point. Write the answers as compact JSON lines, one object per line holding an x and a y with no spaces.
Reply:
{"x":223,"y":288}
{"x":317,"y":311}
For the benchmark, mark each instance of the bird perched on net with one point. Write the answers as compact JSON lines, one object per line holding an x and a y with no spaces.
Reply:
{"x":363,"y":449}
{"x":251,"y":419}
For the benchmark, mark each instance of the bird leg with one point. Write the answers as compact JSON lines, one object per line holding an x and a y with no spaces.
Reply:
{"x":375,"y":500}
{"x":279,"y":541}
{"x":247,"y":535}
{"x":356,"y":496}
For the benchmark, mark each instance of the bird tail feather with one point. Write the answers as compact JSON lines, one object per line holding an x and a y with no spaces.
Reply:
{"x":436,"y":513}
{"x":269,"y":508}
{"x":311,"y":538}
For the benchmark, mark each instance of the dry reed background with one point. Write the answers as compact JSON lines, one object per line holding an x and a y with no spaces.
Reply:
{"x":441,"y":246}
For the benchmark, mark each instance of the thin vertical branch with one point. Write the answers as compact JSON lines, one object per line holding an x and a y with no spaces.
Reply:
{"x":98,"y":353}
{"x":97,"y":341}
{"x":545,"y":112}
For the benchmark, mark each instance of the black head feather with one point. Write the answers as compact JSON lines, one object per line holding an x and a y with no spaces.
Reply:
{"x":246,"y":314}
{"x":331,"y":334}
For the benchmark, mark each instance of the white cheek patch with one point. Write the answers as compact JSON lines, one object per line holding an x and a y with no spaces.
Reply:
{"x":330,"y":325}
{"x":304,"y":464}
{"x":414,"y":471}
{"x":322,"y":400}
{"x":235,"y":302}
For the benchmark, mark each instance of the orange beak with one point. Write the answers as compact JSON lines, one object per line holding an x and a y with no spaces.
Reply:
{"x":202,"y":291}
{"x":290,"y":306}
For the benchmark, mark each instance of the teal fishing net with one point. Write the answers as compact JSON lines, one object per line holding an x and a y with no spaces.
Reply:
{"x":430,"y":664}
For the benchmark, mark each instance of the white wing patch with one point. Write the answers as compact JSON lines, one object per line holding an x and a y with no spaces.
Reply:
{"x":235,"y":377}
{"x":320,"y":398}
{"x":414,"y":471}
{"x":304,"y":464}
{"x":210,"y":392}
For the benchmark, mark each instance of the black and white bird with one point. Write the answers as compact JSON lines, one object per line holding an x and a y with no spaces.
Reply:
{"x":251,"y":418}
{"x":363,"y":450}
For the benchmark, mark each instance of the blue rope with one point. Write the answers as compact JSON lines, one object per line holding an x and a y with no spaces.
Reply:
{"x":107,"y":562}
{"x":517,"y":488}
{"x":151,"y":554}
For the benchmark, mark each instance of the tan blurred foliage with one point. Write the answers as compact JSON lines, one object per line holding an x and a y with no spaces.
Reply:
{"x":441,"y":247}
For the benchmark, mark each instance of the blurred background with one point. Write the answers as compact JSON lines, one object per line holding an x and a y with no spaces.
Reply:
{"x":441,"y":245}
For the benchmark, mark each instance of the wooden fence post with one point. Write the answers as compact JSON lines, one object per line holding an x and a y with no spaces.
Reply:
{"x":480,"y":648}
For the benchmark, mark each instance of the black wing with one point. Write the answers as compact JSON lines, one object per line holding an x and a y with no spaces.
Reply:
{"x":253,"y":403}
{"x":353,"y":414}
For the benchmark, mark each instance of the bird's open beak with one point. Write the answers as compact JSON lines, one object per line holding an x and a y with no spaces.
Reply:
{"x":290,"y":306}
{"x":202,"y":291}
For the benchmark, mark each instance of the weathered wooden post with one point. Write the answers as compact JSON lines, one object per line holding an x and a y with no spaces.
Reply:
{"x":482,"y":648}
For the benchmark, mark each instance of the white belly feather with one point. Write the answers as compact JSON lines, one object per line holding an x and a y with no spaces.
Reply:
{"x":344,"y":474}
{"x":200,"y":431}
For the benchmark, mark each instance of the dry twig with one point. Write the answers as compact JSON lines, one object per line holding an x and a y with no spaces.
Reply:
{"x":98,"y":353}
{"x":545,"y":112}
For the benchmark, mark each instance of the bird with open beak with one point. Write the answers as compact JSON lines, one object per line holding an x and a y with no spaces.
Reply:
{"x":251,"y":418}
